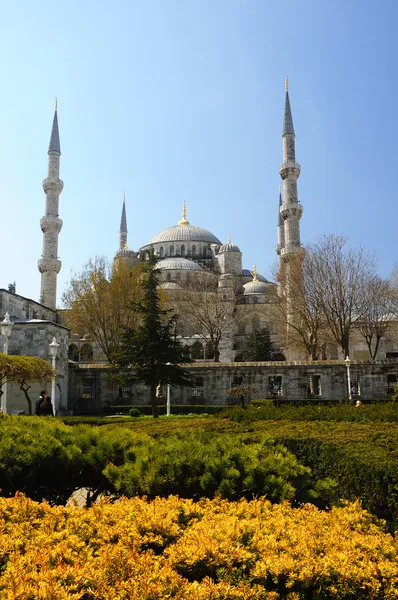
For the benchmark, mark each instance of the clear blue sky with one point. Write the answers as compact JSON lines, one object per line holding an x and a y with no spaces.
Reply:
{"x":174,"y":100}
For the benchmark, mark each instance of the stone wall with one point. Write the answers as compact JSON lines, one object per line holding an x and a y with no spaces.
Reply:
{"x":22,"y":308}
{"x":33,"y":339}
{"x":91,"y":388}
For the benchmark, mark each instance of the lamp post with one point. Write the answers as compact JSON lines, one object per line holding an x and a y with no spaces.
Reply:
{"x":347,"y":364}
{"x":53,"y":353}
{"x":5,"y":329}
{"x":168,"y":397}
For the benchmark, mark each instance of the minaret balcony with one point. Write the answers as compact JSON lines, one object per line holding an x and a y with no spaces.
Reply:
{"x":290,"y":167}
{"x":49,"y":265}
{"x":53,"y":185}
{"x":291,"y":209}
{"x":291,"y":249}
{"x":50,"y":224}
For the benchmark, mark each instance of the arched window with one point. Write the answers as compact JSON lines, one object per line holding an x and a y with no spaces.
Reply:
{"x":168,"y":276}
{"x":209,"y":351}
{"x":73,"y":353}
{"x":194,"y":250}
{"x":197,"y":351}
{"x":255,"y":323}
{"x":241,"y":329}
{"x":182,"y":250}
{"x":161,"y":252}
{"x":171,"y":250}
{"x":86,"y":353}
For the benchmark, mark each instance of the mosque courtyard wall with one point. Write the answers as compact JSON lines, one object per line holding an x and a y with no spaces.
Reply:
{"x":92,"y":391}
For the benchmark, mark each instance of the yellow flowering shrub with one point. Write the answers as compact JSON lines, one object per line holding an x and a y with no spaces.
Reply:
{"x":212,"y":549}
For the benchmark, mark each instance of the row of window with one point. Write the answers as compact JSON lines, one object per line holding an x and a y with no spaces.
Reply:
{"x":275,"y":386}
{"x":183,"y":251}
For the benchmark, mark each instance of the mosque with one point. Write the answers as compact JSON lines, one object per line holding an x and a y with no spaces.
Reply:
{"x":187,"y":255}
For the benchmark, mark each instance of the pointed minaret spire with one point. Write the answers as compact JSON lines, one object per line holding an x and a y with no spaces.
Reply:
{"x":49,"y":265}
{"x":54,"y":145}
{"x":288,"y":119}
{"x":123,"y":227}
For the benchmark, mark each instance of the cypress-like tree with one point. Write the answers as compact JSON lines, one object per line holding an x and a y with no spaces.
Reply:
{"x":150,"y":353}
{"x":258,"y":346}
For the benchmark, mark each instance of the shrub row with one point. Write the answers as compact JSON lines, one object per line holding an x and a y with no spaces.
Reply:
{"x":361,"y":457}
{"x":172,"y":548}
{"x":47,"y":459}
{"x":265,"y":410}
{"x":176,"y":409}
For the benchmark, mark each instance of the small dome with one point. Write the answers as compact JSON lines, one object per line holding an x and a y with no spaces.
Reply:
{"x":177,"y":264}
{"x":169,"y":285}
{"x":229,"y":247}
{"x":255,"y":287}
{"x":125,"y":253}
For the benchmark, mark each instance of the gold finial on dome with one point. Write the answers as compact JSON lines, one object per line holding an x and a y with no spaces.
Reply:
{"x":254,"y":272}
{"x":184,"y":215}
{"x":287,"y":83}
{"x":56,"y":103}
{"x":229,"y":240}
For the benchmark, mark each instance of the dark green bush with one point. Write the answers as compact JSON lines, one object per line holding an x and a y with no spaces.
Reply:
{"x":195,"y":464}
{"x":135,"y":412}
{"x":176,"y":409}
{"x":263,"y":410}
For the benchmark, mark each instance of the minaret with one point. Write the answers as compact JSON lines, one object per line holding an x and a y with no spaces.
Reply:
{"x":49,"y":265}
{"x":291,"y":210}
{"x":124,"y":255}
{"x":281,"y":240}
{"x":123,"y":227}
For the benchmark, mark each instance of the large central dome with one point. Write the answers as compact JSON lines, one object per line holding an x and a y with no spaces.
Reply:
{"x":184,"y":232}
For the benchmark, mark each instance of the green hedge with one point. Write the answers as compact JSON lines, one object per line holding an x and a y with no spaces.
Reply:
{"x":45,"y":459}
{"x":361,"y":457}
{"x":265,"y":410}
{"x":176,"y":409}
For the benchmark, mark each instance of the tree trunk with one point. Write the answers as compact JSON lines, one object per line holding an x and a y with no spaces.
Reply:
{"x":154,"y":401}
{"x":216,"y":354}
{"x":28,"y":400}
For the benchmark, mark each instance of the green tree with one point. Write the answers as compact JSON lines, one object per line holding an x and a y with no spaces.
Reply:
{"x":24,"y":371}
{"x":258,"y":346}
{"x":150,"y":353}
{"x":98,"y":302}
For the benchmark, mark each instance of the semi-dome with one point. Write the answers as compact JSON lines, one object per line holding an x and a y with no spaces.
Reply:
{"x":169,"y":285}
{"x":249,"y":273}
{"x":177,"y":263}
{"x":229,"y":247}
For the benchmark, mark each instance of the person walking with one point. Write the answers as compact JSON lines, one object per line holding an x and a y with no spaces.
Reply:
{"x":46,"y":408}
{"x":39,"y":402}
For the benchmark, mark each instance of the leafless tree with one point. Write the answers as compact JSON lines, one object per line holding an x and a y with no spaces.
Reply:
{"x":379,"y":314}
{"x":342,"y":276}
{"x":204,"y":310}
{"x":301,"y":317}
